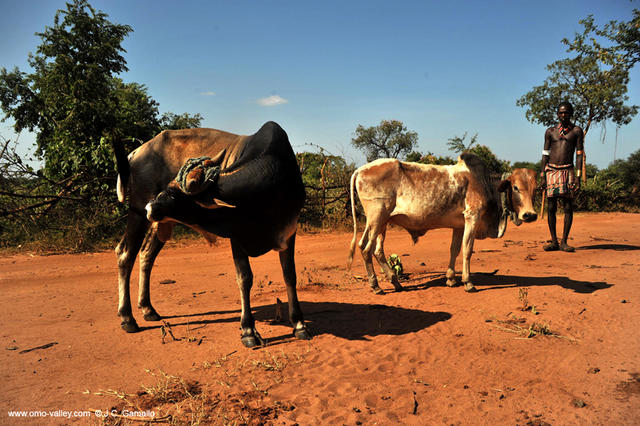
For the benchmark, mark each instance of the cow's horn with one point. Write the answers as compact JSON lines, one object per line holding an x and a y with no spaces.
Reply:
{"x":222,"y":203}
{"x":218,"y":158}
{"x":215,"y":204}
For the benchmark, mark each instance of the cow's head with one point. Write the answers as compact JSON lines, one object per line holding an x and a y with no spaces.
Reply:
{"x":519,"y":190}
{"x":183,"y":202}
{"x":174,"y":205}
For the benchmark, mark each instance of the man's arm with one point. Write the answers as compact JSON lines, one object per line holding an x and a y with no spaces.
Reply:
{"x":579,"y":153}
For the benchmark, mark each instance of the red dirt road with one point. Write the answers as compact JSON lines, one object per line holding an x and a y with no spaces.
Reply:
{"x":428,"y":355}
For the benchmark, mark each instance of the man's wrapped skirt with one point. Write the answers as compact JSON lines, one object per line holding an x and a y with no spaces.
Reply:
{"x":560,"y":180}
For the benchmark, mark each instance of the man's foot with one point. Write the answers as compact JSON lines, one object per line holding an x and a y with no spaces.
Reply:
{"x":566,"y":247}
{"x":551,"y":247}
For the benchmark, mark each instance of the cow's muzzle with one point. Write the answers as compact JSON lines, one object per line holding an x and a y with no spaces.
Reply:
{"x":529,"y":217}
{"x":153,"y":212}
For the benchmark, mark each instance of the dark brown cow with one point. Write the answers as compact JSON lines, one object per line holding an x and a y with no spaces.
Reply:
{"x":255,"y":202}
{"x":421,"y":197}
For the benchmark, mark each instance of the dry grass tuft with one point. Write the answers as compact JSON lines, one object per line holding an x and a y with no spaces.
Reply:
{"x":518,"y":325}
{"x":236,"y":393}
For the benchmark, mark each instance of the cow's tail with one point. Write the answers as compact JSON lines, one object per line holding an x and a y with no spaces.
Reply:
{"x":122,"y":165}
{"x":353,"y":214}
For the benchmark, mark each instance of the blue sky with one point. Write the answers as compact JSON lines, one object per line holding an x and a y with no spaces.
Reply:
{"x":321,"y":68}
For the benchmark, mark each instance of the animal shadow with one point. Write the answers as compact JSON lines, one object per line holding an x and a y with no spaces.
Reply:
{"x":352,"y":321}
{"x":345,"y":320}
{"x":616,"y":247}
{"x":486,"y":282}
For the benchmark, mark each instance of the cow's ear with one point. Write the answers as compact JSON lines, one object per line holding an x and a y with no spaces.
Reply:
{"x":164,"y":231}
{"x":504,"y":185}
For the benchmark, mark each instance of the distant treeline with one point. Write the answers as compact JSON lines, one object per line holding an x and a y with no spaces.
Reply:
{"x":38,"y":213}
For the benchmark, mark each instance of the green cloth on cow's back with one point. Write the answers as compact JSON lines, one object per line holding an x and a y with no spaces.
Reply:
{"x":211,"y":174}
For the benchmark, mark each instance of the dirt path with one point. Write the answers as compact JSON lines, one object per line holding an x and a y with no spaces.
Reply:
{"x":428,"y":355}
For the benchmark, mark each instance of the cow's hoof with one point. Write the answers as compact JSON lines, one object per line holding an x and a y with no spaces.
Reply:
{"x":152,"y":316}
{"x":302,"y":334}
{"x":451,"y":283}
{"x":130,"y":326}
{"x":377,"y":290}
{"x":470,"y":288}
{"x":252,"y":340}
{"x":396,"y":284}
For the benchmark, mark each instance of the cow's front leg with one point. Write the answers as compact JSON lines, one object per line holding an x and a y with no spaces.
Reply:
{"x":127,"y":250}
{"x":287,"y":261}
{"x":467,"y":251}
{"x":244,"y":277}
{"x":454,"y":250}
{"x":150,"y":249}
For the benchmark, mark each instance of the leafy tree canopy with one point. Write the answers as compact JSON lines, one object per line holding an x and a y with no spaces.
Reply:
{"x":490,"y":160}
{"x":389,"y":139}
{"x":616,"y":44}
{"x":457,"y":144}
{"x":76,"y":104}
{"x":594,"y":81}
{"x":171,"y":121}
{"x":429,"y":158}
{"x":68,"y":99}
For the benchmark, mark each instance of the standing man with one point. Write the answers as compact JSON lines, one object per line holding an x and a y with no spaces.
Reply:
{"x":558,"y":175}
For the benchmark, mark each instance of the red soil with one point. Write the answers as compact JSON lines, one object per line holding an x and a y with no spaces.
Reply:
{"x":428,"y":355}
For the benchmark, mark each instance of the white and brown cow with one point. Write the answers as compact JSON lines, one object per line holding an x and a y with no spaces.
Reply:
{"x":420,"y":197}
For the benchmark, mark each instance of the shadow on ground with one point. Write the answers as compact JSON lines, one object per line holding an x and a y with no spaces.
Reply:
{"x":349,"y":321}
{"x":616,"y":247}
{"x":493,"y":281}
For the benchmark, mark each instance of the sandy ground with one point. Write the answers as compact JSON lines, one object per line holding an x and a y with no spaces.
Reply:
{"x":428,"y":355}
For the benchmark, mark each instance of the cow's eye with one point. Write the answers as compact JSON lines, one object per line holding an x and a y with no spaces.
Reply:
{"x":515,"y":188}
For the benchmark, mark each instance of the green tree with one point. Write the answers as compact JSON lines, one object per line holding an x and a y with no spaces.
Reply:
{"x":67,"y":98}
{"x":616,"y":188}
{"x":493,"y":163}
{"x":326,"y":180}
{"x":527,"y":165}
{"x":457,"y":144}
{"x":76,"y":105}
{"x":622,"y":41}
{"x":389,"y":139}
{"x":429,"y":158}
{"x":171,"y":121}
{"x":594,"y":81}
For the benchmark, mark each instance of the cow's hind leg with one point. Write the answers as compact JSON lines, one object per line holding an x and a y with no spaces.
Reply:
{"x":287,"y":261}
{"x":365,"y":248}
{"x":127,"y":250}
{"x":467,"y":250}
{"x":244,"y":277}
{"x":454,"y":250}
{"x":382,"y":260}
{"x":150,"y":249}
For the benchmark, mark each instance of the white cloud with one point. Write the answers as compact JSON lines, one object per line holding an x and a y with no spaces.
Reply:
{"x":208,"y":93}
{"x":272,"y":101}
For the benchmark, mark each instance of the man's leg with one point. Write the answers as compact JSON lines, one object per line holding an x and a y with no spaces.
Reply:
{"x":567,"y":205}
{"x":552,"y":202}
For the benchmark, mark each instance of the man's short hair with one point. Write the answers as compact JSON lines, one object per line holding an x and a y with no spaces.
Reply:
{"x":567,"y":105}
